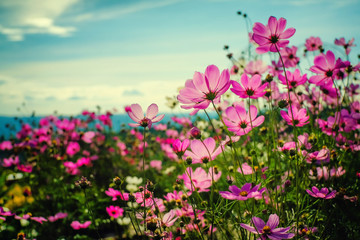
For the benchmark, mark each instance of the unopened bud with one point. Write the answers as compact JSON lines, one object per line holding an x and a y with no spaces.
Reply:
{"x":195,"y":133}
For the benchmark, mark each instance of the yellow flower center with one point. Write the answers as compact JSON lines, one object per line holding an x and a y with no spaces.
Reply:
{"x":266,"y":229}
{"x":243,"y":193}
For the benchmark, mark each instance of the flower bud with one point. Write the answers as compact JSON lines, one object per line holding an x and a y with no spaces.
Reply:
{"x":195,"y":133}
{"x":283,"y":103}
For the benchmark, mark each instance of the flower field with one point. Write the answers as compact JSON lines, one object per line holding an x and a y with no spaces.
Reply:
{"x":268,"y":150}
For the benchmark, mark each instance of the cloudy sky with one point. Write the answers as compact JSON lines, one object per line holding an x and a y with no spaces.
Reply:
{"x":71,"y":55}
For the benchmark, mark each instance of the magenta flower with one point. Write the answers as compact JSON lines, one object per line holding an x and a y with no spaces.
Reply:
{"x":72,"y":148}
{"x":268,"y":230}
{"x":116,"y":193}
{"x":289,"y":56}
{"x":204,"y":88}
{"x":272,"y":36}
{"x":326,"y":68}
{"x":244,"y":193}
{"x":313,"y":44}
{"x":294,"y":79}
{"x":238,"y":120}
{"x":39,"y":219}
{"x":202,"y":151}
{"x":249,"y":88}
{"x":59,"y":215}
{"x":137,"y":115}
{"x":346,"y":45}
{"x":323,"y":193}
{"x":115,"y":211}
{"x":300,"y":118}
{"x":180,"y":147}
{"x":77,"y":225}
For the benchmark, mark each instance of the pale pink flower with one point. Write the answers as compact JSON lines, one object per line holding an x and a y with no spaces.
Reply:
{"x":137,"y":115}
{"x":241,"y":122}
{"x":313,"y":43}
{"x":249,"y":88}
{"x":169,"y":218}
{"x":346,"y":45}
{"x":272,"y":36}
{"x":255,"y":67}
{"x":300,"y":117}
{"x":204,"y":88}
{"x":326,"y":68}
{"x":289,"y":56}
{"x":77,"y":225}
{"x":197,"y":180}
{"x":88,"y":136}
{"x":202,"y":151}
{"x":294,"y":79}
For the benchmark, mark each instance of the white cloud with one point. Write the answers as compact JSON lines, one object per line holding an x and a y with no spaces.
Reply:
{"x":33,"y":17}
{"x":74,"y":85}
{"x":121,"y":10}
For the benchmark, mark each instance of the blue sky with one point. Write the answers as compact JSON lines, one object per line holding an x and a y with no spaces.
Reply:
{"x":70,"y":55}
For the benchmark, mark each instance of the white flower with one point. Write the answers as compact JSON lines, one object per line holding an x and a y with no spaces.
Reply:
{"x":133,"y":180}
{"x":132,"y":187}
{"x":123,"y":221}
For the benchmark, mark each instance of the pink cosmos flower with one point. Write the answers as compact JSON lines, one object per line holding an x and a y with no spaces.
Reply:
{"x":246,"y":192}
{"x":88,"y":136}
{"x":8,"y":162}
{"x":300,"y":118}
{"x":57,"y":216}
{"x":313,"y":43}
{"x":39,"y":219}
{"x":249,"y":88}
{"x":115,"y":211}
{"x":289,"y":56}
{"x":295,"y":79}
{"x":234,"y":70}
{"x":323,"y":193}
{"x":116,"y":193}
{"x":239,"y":121}
{"x":197,"y":180}
{"x":326,"y":68}
{"x":275,"y":69}
{"x":72,"y":148}
{"x":180,"y":147}
{"x":202,"y":151}
{"x":204,"y":88}
{"x":169,"y":218}
{"x":255,"y":67}
{"x":77,"y":225}
{"x":268,"y":230}
{"x":156,"y":164}
{"x":319,"y":157}
{"x":137,"y":115}
{"x":346,"y":45}
{"x":272,"y":36}
{"x":6,"y":145}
